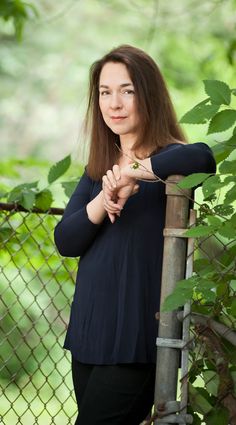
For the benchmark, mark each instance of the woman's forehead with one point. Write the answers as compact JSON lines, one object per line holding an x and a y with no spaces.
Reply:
{"x":114,"y":73}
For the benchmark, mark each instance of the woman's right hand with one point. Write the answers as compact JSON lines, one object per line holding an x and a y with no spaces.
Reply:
{"x":117,"y":188}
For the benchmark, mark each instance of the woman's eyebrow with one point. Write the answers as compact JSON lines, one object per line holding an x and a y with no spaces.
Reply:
{"x":121,"y":85}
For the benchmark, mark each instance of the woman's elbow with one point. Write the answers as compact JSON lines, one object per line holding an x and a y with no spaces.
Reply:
{"x":66,"y":251}
{"x":209,"y":165}
{"x":64,"y":247}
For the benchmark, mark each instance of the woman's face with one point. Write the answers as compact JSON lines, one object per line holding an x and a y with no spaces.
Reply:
{"x":117,"y":100}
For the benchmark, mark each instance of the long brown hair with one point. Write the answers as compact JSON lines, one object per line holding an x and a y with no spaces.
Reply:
{"x":159,"y":123}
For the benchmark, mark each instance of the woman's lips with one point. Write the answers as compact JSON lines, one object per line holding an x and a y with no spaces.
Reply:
{"x":117,"y":119}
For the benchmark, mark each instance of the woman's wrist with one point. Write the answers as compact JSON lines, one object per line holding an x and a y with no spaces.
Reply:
{"x":127,"y":172}
{"x":95,"y":209}
{"x":138,"y":170}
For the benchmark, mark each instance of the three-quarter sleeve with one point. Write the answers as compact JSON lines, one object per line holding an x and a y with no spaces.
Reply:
{"x":74,"y":233}
{"x":183,"y":159}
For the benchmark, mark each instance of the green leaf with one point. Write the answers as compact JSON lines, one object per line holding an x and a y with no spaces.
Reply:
{"x":69,"y":187}
{"x":207,"y":295}
{"x":232,"y":140}
{"x":223,"y":209}
{"x":222,"y":291}
{"x":230,"y":195}
{"x":6,"y":233}
{"x":205,"y":284}
{"x":202,"y":265}
{"x":233,"y":284}
{"x":200,"y":114}
{"x":218,"y":416}
{"x":219,"y":92}
{"x":214,"y":221}
{"x":58,"y":169}
{"x":198,"y":401}
{"x":222,"y":121}
{"x":177,"y":299}
{"x":193,"y":180}
{"x":186,"y":283}
{"x":28,"y":198}
{"x":198,"y":231}
{"x":221,"y":151}
{"x":211,"y":185}
{"x":44,"y":200}
{"x":24,"y":194}
{"x":228,"y":167}
{"x":233,"y":307}
{"x":229,"y":179}
{"x":22,"y":186}
{"x":227,"y":231}
{"x":233,"y":219}
{"x":211,"y":380}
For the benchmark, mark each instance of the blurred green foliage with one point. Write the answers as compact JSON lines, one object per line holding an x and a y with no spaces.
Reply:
{"x":17,"y":12}
{"x":43,"y":80}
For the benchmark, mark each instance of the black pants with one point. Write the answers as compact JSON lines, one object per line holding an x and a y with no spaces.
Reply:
{"x":113,"y":395}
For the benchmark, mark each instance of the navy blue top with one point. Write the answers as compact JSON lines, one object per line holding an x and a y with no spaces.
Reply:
{"x":118,"y":283}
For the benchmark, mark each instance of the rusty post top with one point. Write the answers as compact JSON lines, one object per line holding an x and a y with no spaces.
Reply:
{"x":172,"y":189}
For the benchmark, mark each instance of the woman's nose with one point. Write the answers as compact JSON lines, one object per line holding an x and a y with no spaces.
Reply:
{"x":115,"y":102}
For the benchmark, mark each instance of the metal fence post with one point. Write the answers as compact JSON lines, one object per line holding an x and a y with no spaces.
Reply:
{"x":168,"y":341}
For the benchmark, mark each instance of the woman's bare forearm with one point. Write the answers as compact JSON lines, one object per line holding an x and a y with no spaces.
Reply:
{"x":95,"y":209}
{"x":100,"y":206}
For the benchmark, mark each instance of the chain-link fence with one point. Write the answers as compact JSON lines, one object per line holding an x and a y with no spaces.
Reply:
{"x":36,"y":288}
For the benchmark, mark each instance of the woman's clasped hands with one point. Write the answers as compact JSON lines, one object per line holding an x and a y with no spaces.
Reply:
{"x":117,"y":187}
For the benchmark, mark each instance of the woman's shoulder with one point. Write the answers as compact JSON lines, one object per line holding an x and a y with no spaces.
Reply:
{"x":178,"y":143}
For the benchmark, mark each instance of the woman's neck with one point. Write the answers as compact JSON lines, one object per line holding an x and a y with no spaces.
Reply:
{"x":126,"y":144}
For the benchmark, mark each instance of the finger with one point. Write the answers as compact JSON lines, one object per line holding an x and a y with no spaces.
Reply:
{"x":111,"y":179}
{"x":110,"y":202}
{"x":106,"y":185}
{"x":111,"y":217}
{"x":121,"y":202}
{"x":135,"y":189}
{"x":116,"y":172}
{"x":113,"y":208}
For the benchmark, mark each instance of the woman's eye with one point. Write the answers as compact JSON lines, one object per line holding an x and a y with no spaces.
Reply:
{"x":128,"y":91}
{"x":104,"y":93}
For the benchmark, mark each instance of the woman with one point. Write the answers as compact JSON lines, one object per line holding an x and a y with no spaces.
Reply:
{"x":114,"y":221}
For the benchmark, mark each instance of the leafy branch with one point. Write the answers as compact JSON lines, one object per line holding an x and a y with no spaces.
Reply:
{"x":28,"y":195}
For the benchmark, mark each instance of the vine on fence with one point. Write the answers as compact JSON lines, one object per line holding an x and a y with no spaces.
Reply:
{"x":212,"y":287}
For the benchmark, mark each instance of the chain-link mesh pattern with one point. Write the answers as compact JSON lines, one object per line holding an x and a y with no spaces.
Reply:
{"x":36,"y":288}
